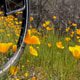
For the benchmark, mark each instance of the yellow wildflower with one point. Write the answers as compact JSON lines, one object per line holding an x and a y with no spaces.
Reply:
{"x":8,"y":35}
{"x":54,"y":17}
{"x":44,"y":25}
{"x":59,"y":45}
{"x":75,"y":51}
{"x":72,"y":32}
{"x":78,"y":37}
{"x":17,"y":35}
{"x":78,"y":31}
{"x":14,"y":48}
{"x":16,"y":22}
{"x":1,"y":12}
{"x":17,"y":79}
{"x":2,"y":30}
{"x":20,"y":22}
{"x":13,"y":70}
{"x":4,"y":47}
{"x":71,"y":35}
{"x":47,"y":23}
{"x":31,"y":19}
{"x":33,"y":51}
{"x":49,"y":29}
{"x":74,"y":24}
{"x":31,"y":39}
{"x":67,"y":39}
{"x":67,"y":29}
{"x":16,"y":19}
{"x":49,"y":45}
{"x":26,"y":74}
{"x":79,"y":40}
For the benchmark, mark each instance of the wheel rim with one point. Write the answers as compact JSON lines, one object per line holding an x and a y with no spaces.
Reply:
{"x":21,"y":45}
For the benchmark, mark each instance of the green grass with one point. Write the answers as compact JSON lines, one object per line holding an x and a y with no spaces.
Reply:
{"x":51,"y":64}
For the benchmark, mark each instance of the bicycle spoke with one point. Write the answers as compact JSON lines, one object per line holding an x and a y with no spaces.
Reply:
{"x":13,"y":5}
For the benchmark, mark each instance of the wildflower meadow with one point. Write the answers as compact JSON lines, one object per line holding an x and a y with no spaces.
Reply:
{"x":51,"y":53}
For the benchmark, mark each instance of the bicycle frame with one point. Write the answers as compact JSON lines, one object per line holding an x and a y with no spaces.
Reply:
{"x":6,"y":12}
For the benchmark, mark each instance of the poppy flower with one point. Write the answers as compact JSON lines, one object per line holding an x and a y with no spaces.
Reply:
{"x":74,"y":24}
{"x":31,"y":19}
{"x":49,"y":29}
{"x":4,"y":47}
{"x":47,"y":23}
{"x":31,"y":39}
{"x":33,"y":51}
{"x":14,"y":48}
{"x":59,"y":45}
{"x":78,"y":31}
{"x":75,"y":51}
{"x":67,"y":39}
{"x":54,"y":17}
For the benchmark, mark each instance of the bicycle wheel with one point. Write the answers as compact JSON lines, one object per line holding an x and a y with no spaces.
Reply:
{"x":13,"y":29}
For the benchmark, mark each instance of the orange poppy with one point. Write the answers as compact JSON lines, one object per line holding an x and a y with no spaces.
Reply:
{"x":31,"y":39}
{"x":14,"y":48}
{"x":59,"y":45}
{"x":75,"y":51}
{"x":4,"y":47}
{"x":33,"y":51}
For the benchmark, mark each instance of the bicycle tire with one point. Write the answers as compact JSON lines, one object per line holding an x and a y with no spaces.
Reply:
{"x":21,"y":45}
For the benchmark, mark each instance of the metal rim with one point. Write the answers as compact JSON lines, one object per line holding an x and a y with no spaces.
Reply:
{"x":13,"y":60}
